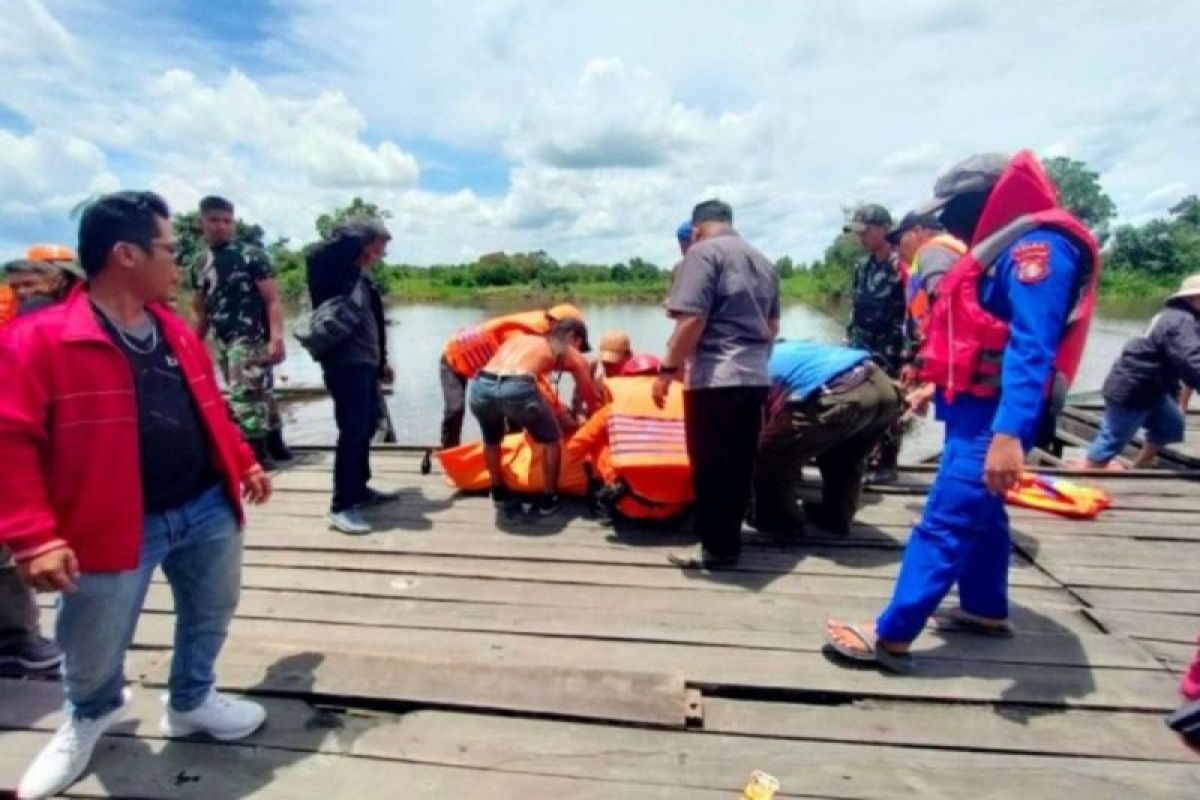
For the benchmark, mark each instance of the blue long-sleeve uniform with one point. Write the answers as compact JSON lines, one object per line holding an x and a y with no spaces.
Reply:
{"x":963,"y":534}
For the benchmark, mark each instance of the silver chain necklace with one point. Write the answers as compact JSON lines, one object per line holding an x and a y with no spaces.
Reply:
{"x":125,"y":334}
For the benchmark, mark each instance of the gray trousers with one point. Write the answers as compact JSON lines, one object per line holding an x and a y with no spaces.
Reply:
{"x":18,"y":603}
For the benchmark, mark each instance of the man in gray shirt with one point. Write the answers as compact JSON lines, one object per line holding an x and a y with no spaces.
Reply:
{"x":725,"y":302}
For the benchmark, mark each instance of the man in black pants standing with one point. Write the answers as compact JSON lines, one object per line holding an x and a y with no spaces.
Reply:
{"x":354,"y":368}
{"x":725,"y":302}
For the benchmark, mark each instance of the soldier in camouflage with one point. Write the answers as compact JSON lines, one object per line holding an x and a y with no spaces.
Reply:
{"x":236,"y":296}
{"x":877,"y":314}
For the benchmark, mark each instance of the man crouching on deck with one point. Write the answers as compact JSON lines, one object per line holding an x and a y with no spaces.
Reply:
{"x":1010,"y":322}
{"x":506,"y":390}
{"x":120,"y":457}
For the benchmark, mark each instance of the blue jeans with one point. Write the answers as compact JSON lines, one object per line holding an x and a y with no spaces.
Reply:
{"x":1163,"y":420}
{"x":515,"y":398}
{"x":199,"y":547}
{"x":962,"y":537}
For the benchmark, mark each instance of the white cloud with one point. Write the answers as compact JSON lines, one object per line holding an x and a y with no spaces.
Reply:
{"x":614,"y":116}
{"x":31,"y":34}
{"x":48,"y":171}
{"x":318,"y":138}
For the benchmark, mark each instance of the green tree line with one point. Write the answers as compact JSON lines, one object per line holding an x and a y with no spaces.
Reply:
{"x":1139,"y":259}
{"x":535,"y":271}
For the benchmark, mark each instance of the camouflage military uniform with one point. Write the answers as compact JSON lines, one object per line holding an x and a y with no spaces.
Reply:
{"x":877,"y":312}
{"x":877,"y":325}
{"x":228,"y":277}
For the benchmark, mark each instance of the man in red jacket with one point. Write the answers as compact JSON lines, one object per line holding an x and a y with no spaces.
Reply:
{"x":120,"y":457}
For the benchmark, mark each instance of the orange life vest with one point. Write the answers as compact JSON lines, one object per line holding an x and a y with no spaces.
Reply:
{"x":965,"y":343}
{"x":8,"y":303}
{"x":472,"y":347}
{"x":520,"y":463}
{"x":1058,"y":496}
{"x":920,"y":298}
{"x":648,"y":449}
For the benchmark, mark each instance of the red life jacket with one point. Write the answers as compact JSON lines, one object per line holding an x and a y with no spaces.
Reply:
{"x":965,"y":344}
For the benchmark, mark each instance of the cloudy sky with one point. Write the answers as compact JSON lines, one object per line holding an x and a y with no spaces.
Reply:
{"x":584,"y":128}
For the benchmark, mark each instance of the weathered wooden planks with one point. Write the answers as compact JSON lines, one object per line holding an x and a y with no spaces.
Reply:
{"x":502,"y":635}
{"x":964,"y":676}
{"x":800,"y":632}
{"x":953,"y":727}
{"x":503,"y":752}
{"x":151,"y":768}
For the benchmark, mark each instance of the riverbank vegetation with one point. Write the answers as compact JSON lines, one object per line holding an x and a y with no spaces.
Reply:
{"x":1147,"y":260}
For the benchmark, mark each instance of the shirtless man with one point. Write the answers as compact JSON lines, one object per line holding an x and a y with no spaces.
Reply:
{"x":507,"y":389}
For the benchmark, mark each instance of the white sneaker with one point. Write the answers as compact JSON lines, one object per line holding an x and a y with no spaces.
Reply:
{"x":219,"y":716}
{"x":348,"y":521}
{"x":65,"y":758}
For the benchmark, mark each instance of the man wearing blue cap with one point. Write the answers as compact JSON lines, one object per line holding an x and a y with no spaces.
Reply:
{"x":684,"y":234}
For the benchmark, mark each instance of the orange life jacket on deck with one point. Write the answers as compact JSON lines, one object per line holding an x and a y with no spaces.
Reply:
{"x":520,"y":463}
{"x":471,"y":348}
{"x":1058,"y":496}
{"x":648,"y":449}
{"x":8,"y":304}
{"x":965,"y":343}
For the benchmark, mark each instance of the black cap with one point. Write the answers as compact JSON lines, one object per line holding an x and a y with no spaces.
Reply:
{"x":713,"y":210}
{"x":569,"y":326}
{"x":869,"y":214}
{"x":911,"y":220}
{"x":977,"y":173}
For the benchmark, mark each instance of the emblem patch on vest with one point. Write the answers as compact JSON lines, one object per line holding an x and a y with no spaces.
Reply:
{"x":1032,"y":260}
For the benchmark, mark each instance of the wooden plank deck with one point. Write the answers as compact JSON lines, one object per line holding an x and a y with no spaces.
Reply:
{"x":452,"y":655}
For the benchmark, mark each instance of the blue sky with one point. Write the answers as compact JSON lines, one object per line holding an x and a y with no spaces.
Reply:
{"x":586,"y":129}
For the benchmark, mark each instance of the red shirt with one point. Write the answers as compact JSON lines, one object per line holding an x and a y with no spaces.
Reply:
{"x":69,"y":466}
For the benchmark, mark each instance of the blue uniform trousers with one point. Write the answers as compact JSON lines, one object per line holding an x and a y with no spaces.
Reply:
{"x":963,"y":534}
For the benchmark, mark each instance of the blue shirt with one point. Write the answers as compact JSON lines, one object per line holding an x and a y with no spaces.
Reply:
{"x":798,"y":369}
{"x":1035,"y":308}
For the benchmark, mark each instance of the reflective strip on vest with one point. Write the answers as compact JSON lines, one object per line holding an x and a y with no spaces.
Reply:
{"x":648,"y":439}
{"x":473,"y":348}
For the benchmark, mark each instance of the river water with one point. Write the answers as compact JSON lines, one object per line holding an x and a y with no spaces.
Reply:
{"x":417,"y":332}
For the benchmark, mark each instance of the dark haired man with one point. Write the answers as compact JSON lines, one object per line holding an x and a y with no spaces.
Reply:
{"x":236,"y":295}
{"x":506,"y":390}
{"x":340,"y":266}
{"x":119,"y":458}
{"x":725,"y":302}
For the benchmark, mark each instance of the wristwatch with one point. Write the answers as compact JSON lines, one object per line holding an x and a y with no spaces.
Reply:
{"x":663,"y":369}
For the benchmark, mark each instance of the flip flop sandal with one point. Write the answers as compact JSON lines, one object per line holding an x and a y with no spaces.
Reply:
{"x":957,"y":620}
{"x":1186,"y":720}
{"x":899,"y":663}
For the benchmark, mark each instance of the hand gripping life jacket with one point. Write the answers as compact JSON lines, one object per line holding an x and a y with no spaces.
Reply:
{"x":1058,"y":496}
{"x":472,"y":347}
{"x":919,"y":296}
{"x":965,"y":344}
{"x":648,"y":450}
{"x":520,"y":463}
